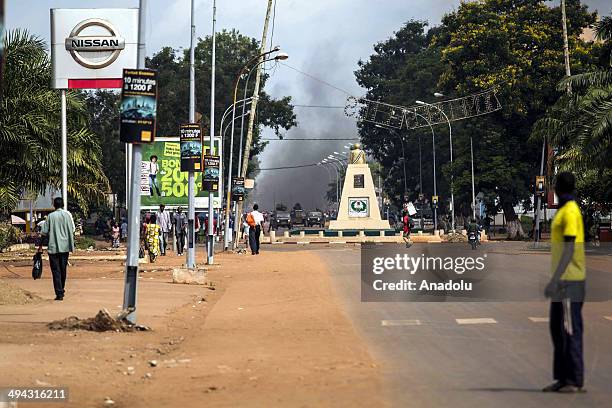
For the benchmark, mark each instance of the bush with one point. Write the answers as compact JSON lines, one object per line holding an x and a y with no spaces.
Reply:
{"x":83,"y":242}
{"x":9,"y":235}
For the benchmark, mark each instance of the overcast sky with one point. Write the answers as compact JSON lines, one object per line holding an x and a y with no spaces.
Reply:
{"x":324,"y":38}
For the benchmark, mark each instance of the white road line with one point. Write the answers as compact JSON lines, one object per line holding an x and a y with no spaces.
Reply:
{"x":477,"y":320}
{"x":413,"y":322}
{"x":539,"y":319}
{"x":608,"y":317}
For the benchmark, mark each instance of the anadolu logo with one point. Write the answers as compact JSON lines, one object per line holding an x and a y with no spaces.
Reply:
{"x":359,"y":206}
{"x":94,"y":51}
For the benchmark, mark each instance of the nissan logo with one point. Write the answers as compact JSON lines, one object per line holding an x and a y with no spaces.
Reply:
{"x":81,"y":46}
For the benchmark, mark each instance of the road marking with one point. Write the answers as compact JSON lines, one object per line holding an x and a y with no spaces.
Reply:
{"x":477,"y":320}
{"x":409,"y":322}
{"x":337,"y":242}
{"x":608,"y":317}
{"x":303,"y":242}
{"x":539,"y":319}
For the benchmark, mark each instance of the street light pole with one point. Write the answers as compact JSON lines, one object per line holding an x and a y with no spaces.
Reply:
{"x":133,"y":247}
{"x":450,"y":136}
{"x":210,"y":243}
{"x":191,"y":176}
{"x":433,"y":144}
{"x":228,"y":198}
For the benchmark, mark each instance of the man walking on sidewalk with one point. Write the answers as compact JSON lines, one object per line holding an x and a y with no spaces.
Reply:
{"x":59,"y":228}
{"x":255,"y":219}
{"x":567,"y":289}
{"x":163,"y":220}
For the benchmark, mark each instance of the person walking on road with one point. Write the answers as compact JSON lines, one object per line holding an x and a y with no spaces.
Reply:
{"x":566,"y":289}
{"x":180,"y":230}
{"x":165,"y":225}
{"x":255,"y":219}
{"x":152,"y":233}
{"x":59,"y":228}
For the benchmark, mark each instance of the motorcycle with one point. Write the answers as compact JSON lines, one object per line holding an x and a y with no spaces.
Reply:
{"x":473,"y":239}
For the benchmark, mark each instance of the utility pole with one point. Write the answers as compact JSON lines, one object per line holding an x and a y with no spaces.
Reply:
{"x":249,"y":137}
{"x":210,"y":243}
{"x":133,"y":247}
{"x":568,"y":72}
{"x":191,"y":185}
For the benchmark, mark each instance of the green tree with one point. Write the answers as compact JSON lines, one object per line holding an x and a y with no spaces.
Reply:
{"x":103,"y":114}
{"x":30,"y":130}
{"x":515,"y":46}
{"x":579,"y":126}
{"x":233,"y":50}
{"x":403,"y":69}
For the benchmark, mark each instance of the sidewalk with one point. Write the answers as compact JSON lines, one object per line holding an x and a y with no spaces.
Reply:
{"x":271,"y":334}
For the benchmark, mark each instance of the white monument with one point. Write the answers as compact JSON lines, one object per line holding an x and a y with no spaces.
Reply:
{"x":358,"y":205}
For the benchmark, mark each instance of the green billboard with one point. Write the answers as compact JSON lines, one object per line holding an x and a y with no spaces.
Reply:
{"x":163,"y":182}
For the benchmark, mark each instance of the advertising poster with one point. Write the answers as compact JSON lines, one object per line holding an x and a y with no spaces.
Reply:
{"x":210,"y":177}
{"x":162,"y":180}
{"x":238,"y":189}
{"x":191,"y":147}
{"x":138,"y":106}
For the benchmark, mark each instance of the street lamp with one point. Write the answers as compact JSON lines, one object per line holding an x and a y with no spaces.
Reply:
{"x":439,"y":95}
{"x":450,"y":136}
{"x":433,"y":143}
{"x":280,"y":56}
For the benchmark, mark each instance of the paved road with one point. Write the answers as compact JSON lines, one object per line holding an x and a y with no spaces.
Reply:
{"x":492,"y":354}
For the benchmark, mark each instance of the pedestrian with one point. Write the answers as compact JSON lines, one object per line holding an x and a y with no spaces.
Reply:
{"x":59,"y":228}
{"x":152,"y":238}
{"x":566,"y":289}
{"x":165,"y":225}
{"x":124,"y":231}
{"x":115,"y":233}
{"x":255,"y":221}
{"x":153,"y":170}
{"x":180,"y":229}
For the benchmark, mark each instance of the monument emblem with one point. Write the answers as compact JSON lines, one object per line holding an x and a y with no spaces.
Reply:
{"x":358,"y":206}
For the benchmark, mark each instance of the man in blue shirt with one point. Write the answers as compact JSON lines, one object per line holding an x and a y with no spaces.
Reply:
{"x":59,"y":228}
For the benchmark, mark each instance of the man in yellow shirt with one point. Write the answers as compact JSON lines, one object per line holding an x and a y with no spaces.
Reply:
{"x":567,"y":289}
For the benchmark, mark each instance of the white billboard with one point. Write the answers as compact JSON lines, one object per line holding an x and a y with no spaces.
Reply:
{"x":91,"y":47}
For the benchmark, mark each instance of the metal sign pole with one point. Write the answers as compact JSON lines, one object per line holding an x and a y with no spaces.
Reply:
{"x":191,"y":186}
{"x":210,"y":244}
{"x":133,"y":247}
{"x":64,"y":152}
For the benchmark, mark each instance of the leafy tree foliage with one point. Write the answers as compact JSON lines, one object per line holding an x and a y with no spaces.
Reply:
{"x":233,"y":51}
{"x":30,"y":130}
{"x":512,"y":45}
{"x":579,"y":126}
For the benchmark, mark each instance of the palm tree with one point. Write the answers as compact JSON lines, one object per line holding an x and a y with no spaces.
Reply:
{"x":30,"y":130}
{"x":579,"y":125}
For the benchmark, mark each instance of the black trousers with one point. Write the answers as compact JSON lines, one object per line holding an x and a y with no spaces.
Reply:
{"x":568,"y":364}
{"x":58,"y":263}
{"x":180,"y":243}
{"x":254,"y":233}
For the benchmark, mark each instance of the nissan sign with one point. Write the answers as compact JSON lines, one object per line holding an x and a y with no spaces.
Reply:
{"x":79,"y":47}
{"x":91,"y":47}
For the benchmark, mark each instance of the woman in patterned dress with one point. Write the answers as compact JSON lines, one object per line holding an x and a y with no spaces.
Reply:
{"x":152,"y":238}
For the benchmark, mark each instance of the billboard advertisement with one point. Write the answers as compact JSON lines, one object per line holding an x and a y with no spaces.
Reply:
{"x":91,"y":47}
{"x":238,"y":189}
{"x":163,"y":182}
{"x":191,"y":147}
{"x":210,"y":176}
{"x":138,"y":106}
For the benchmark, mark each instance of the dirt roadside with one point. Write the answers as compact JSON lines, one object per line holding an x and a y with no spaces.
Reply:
{"x":271,"y":334}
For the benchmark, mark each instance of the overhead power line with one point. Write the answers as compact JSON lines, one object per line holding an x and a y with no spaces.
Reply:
{"x":290,"y":167}
{"x":272,"y":139}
